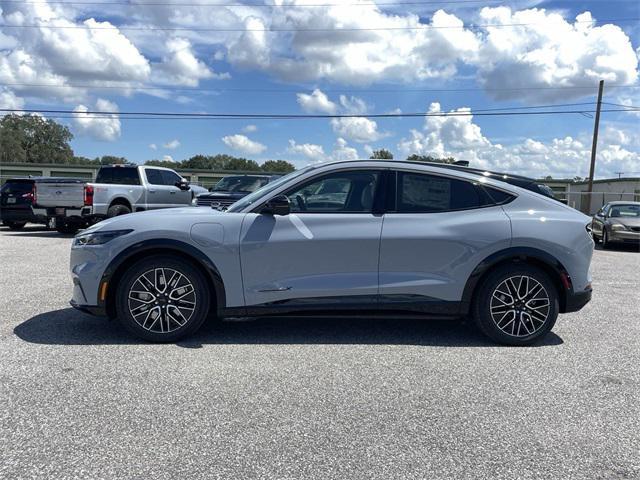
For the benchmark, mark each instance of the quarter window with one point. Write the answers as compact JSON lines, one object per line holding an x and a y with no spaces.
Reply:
{"x":420,"y":193}
{"x":345,"y":192}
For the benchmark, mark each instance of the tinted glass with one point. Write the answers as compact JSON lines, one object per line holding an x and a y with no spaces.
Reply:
{"x":17,"y":187}
{"x":118,"y":176}
{"x":240,"y":183}
{"x":347,"y":192}
{"x":170,"y":178}
{"x":430,"y":193}
{"x":622,"y":211}
{"x":497,"y":197}
{"x":154,"y":177}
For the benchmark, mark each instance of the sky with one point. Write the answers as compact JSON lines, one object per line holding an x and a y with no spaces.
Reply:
{"x":330,"y":57}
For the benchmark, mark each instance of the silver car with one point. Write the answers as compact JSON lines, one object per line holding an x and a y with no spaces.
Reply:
{"x":617,"y":222}
{"x":381,"y":237}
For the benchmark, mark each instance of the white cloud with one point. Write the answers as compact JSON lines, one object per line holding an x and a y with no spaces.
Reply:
{"x":461,"y":138}
{"x":341,"y":151}
{"x":101,"y":127}
{"x":153,"y":146}
{"x":167,"y":158}
{"x":172,"y":145}
{"x":9,"y":100}
{"x":316,"y":102}
{"x":359,"y":129}
{"x":243,"y":144}
{"x":353,"y":105}
{"x":250,"y":129}
{"x":180,"y":65}
{"x":551,"y":52}
{"x":309,"y":150}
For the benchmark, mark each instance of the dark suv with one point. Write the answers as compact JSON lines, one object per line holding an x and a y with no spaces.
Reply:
{"x":231,"y":189}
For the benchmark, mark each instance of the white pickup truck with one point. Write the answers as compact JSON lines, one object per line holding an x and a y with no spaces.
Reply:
{"x":121,"y":189}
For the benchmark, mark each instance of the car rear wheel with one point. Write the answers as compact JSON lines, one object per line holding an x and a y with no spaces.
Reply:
{"x":14,"y":225}
{"x":162,"y":299}
{"x":516,"y":305}
{"x":115,"y":210}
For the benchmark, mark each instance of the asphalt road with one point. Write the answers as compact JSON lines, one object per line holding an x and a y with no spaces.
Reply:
{"x":325,"y":399}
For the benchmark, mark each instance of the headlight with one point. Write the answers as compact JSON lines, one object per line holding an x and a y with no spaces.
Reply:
{"x":98,"y":238}
{"x":618,"y":227}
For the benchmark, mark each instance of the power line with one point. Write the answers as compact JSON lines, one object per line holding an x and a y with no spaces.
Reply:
{"x":291,"y":30}
{"x":631,"y":107}
{"x":298,"y":90}
{"x":253,"y":116}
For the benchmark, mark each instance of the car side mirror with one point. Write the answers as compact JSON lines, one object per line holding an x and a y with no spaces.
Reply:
{"x":182,"y":185}
{"x":278,"y":205}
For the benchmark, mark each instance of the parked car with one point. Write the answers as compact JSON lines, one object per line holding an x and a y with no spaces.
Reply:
{"x":232,"y":188}
{"x":52,"y":201}
{"x":406,"y":238}
{"x":617,"y":222}
{"x":195,"y":191}
{"x":122,"y":189}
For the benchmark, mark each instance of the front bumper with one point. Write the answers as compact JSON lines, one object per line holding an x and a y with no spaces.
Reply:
{"x":90,"y":309}
{"x":624,"y":236}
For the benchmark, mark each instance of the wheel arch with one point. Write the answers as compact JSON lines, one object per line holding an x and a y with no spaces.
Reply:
{"x":514,"y":255}
{"x":120,"y":201}
{"x":116,"y":269}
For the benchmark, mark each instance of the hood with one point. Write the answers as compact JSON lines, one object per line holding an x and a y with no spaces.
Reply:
{"x":626,"y":221}
{"x":163,"y":215}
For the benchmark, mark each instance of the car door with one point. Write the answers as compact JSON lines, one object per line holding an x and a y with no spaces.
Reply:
{"x":177,"y":197}
{"x":436,"y":230}
{"x":158,"y":194}
{"x":324,"y":253}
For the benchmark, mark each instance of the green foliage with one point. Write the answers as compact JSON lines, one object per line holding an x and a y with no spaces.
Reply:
{"x":226,"y":162}
{"x":34,"y":139}
{"x":429,"y":158}
{"x":382,"y":154}
{"x":279,"y":166}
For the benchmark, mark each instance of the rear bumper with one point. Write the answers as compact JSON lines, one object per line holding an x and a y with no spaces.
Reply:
{"x":576,"y":300}
{"x":22,"y":215}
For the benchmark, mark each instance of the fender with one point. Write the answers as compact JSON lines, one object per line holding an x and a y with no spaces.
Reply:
{"x":560,"y":276}
{"x":113,"y":272}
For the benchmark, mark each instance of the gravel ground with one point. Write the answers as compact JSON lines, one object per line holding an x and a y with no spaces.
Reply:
{"x":321,"y":398}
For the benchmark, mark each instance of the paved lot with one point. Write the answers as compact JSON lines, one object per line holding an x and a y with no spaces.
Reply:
{"x":343,"y":399}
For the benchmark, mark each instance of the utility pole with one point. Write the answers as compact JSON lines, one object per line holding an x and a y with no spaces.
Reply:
{"x":594,"y":147}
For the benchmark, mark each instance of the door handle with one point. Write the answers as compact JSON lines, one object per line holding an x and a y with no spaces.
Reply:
{"x":172,"y":192}
{"x":281,"y":289}
{"x":152,"y":191}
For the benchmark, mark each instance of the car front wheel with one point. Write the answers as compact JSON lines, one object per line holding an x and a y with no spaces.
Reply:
{"x":162,"y":299}
{"x":516,"y":305}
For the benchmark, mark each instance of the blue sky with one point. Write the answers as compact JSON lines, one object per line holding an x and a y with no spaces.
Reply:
{"x":368,"y":59}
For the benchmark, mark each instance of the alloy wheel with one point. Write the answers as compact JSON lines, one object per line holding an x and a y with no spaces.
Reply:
{"x":162,"y":300}
{"x":520,"y":306}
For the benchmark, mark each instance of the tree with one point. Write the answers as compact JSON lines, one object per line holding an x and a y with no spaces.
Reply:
{"x":429,"y":158}
{"x":34,"y":139}
{"x":382,"y":154}
{"x":162,"y":163}
{"x":112,"y":160}
{"x":279,"y":166}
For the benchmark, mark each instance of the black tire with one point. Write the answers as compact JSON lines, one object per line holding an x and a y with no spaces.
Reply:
{"x":14,"y":225}
{"x":527,"y":318}
{"x":605,"y":239}
{"x":66,"y":228}
{"x":146,"y":326}
{"x":115,"y":210}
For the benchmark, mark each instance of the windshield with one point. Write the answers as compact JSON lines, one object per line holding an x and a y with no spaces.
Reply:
{"x":625,"y":211}
{"x":241,"y":183}
{"x":270,"y":187}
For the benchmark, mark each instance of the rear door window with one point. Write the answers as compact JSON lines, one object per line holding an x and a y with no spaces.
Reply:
{"x":154,"y":176}
{"x":422,"y":193}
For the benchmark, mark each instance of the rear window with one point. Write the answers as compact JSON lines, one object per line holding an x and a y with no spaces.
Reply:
{"x":17,"y":187}
{"x":118,"y":176}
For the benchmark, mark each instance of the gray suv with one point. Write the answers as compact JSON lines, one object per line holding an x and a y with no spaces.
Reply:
{"x":379,"y":237}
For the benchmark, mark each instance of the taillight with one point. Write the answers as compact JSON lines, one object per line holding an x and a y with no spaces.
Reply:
{"x":31,"y":196}
{"x":88,"y":195}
